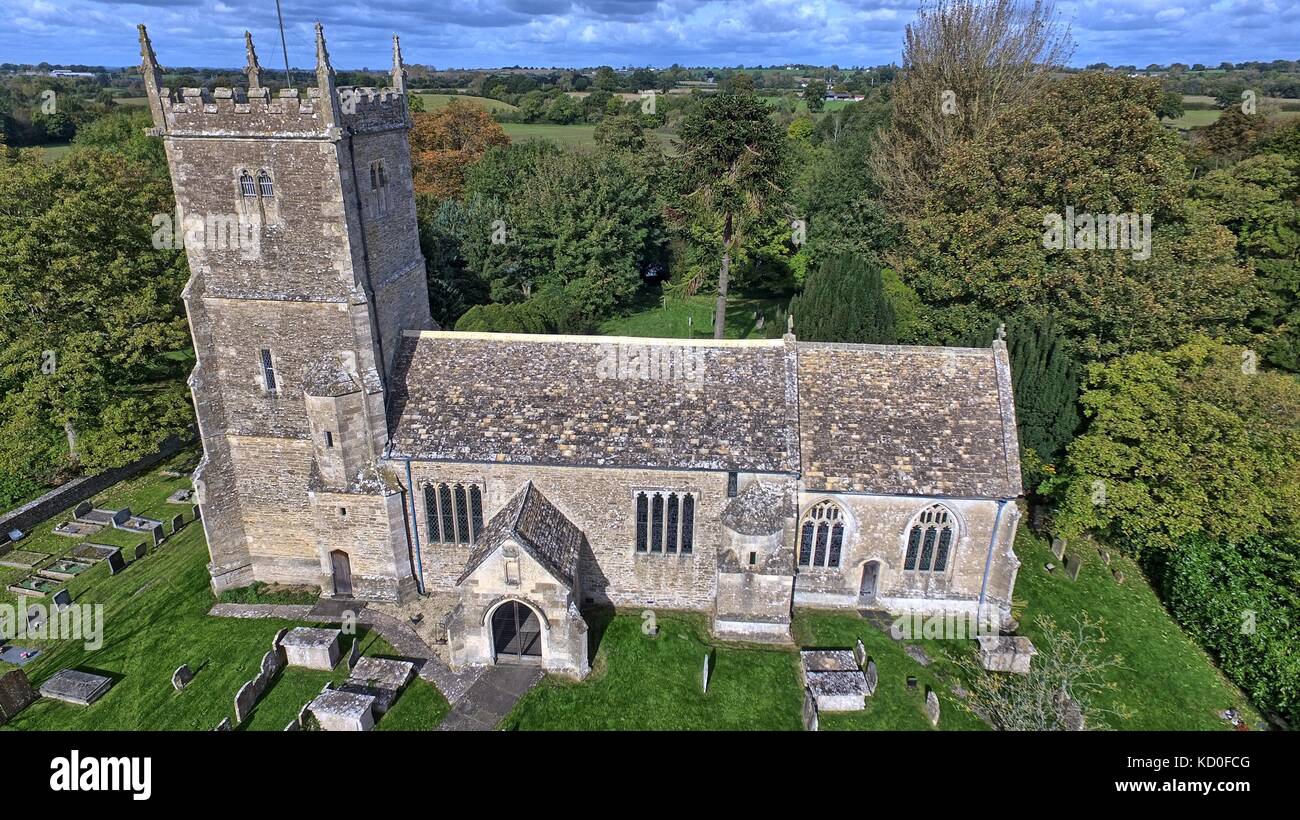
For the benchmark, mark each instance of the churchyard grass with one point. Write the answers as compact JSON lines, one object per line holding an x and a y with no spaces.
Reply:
{"x":644,"y":682}
{"x":155,"y":619}
{"x":670,"y":320}
{"x":1167,"y":681}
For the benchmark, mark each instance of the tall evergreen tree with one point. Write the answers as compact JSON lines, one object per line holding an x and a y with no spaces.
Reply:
{"x":845,"y":301}
{"x":1045,"y":381}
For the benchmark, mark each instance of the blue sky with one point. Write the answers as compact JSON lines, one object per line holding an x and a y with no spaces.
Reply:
{"x":480,"y":33}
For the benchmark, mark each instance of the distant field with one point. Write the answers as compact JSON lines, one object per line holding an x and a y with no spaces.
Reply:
{"x":579,"y":134}
{"x":432,"y":102}
{"x":1199,"y":119}
{"x":137,"y":102}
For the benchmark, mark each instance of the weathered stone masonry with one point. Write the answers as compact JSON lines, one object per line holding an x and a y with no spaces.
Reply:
{"x":576,"y":470}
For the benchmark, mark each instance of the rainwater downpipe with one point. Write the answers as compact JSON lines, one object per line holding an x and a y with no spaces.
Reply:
{"x":415,"y":531}
{"x":988,"y":561}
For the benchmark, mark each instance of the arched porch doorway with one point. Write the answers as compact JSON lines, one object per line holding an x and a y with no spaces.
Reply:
{"x":516,"y":633}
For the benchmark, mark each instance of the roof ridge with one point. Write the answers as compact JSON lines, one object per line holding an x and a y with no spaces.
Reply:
{"x":575,"y":338}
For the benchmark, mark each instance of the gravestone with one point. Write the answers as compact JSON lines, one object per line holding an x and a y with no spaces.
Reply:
{"x":809,"y":711}
{"x":195,"y":510}
{"x":859,"y":653}
{"x":16,"y":694}
{"x":75,"y":686}
{"x":292,"y":726}
{"x":15,"y":535}
{"x":1004,"y":653}
{"x":141,"y":550}
{"x":1049,"y":566}
{"x":116,"y":563}
{"x":1072,"y":565}
{"x":311,"y":648}
{"x":223,"y":726}
{"x":182,"y":677}
{"x":911,"y":681}
{"x":62,"y":599}
{"x":382,"y":678}
{"x":35,"y":617}
{"x":339,"y":711}
{"x":157,"y":532}
{"x":1105,"y":556}
{"x":1119,"y":577}
{"x":1058,"y":548}
{"x":704,"y":679}
{"x":917,"y":654}
{"x":872,"y":677}
{"x":932,"y":706}
{"x":178,"y":521}
{"x":354,"y":654}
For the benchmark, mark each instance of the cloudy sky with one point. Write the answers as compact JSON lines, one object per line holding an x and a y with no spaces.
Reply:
{"x":481,"y":33}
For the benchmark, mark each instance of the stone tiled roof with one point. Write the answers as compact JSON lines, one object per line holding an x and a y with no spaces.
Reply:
{"x":586,"y":400}
{"x":907,"y":420}
{"x":845,"y":418}
{"x":537,"y":526}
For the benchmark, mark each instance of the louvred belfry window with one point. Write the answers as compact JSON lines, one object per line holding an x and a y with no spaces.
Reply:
{"x":246,"y":186}
{"x":821,"y":536}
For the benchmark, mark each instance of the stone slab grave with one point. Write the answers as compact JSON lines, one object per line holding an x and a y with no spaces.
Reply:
{"x":381,"y":678}
{"x":834,"y":679}
{"x":1003,"y":653}
{"x":917,"y":654}
{"x":312,"y":648}
{"x":22,"y":559}
{"x":77,"y":687}
{"x":18,"y":655}
{"x":337,"y":710}
{"x":76,"y":529}
{"x":34,"y":585}
{"x":181,"y":496}
{"x":65,"y":569}
{"x":16,"y":694}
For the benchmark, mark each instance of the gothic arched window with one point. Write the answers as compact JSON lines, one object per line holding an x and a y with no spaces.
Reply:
{"x":264,"y":185}
{"x":454,"y":512}
{"x":821,"y":535}
{"x":246,"y":187}
{"x":665,"y":522}
{"x":930,"y":538}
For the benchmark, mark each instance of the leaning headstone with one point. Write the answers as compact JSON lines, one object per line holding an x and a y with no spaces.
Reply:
{"x":932,"y":706}
{"x":1072,"y":565}
{"x":1058,"y":548}
{"x":116,"y":563}
{"x":16,"y":694}
{"x":1105,"y":556}
{"x":223,"y":726}
{"x":62,"y":599}
{"x":178,"y":521}
{"x":704,"y":678}
{"x":197,"y":514}
{"x":1119,"y":577}
{"x":860,"y":653}
{"x":354,"y":654}
{"x":872,"y":677}
{"x":141,"y":550}
{"x":809,"y":711}
{"x":182,"y":677}
{"x":246,"y":699}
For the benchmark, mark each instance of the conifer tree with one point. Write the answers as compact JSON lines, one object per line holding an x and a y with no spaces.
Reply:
{"x":844,"y":301}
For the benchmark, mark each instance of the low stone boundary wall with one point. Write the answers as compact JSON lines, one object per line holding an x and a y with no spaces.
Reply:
{"x":79,"y":489}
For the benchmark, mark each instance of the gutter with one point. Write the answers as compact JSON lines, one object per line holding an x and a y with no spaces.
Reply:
{"x":414,"y":525}
{"x":988,"y":560}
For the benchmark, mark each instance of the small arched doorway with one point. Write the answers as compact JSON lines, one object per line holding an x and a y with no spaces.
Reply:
{"x":342,"y":570}
{"x":516,"y":632}
{"x":870,"y":579}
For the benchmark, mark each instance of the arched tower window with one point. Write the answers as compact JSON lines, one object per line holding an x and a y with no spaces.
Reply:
{"x":246,"y":187}
{"x":930,"y":538}
{"x":821,"y":535}
{"x":264,"y":185}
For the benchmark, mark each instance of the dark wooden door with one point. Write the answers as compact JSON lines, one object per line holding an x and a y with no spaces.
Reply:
{"x":342,"y":574}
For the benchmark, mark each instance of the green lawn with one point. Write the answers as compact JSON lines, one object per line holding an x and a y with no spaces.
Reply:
{"x":155,"y":619}
{"x":55,"y":150}
{"x":1168,"y":682}
{"x":670,"y":321}
{"x":432,"y":102}
{"x":644,"y":682}
{"x":577,"y":134}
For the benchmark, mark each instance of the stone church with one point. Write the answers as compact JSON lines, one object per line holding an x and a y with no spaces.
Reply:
{"x":502,"y":484}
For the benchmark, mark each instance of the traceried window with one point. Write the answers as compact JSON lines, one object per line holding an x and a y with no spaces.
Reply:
{"x":821,"y":535}
{"x":665,"y":522}
{"x":264,"y":186}
{"x":379,"y":187}
{"x":246,"y":186}
{"x":268,"y":371}
{"x":930,"y":539}
{"x":454,"y":512}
